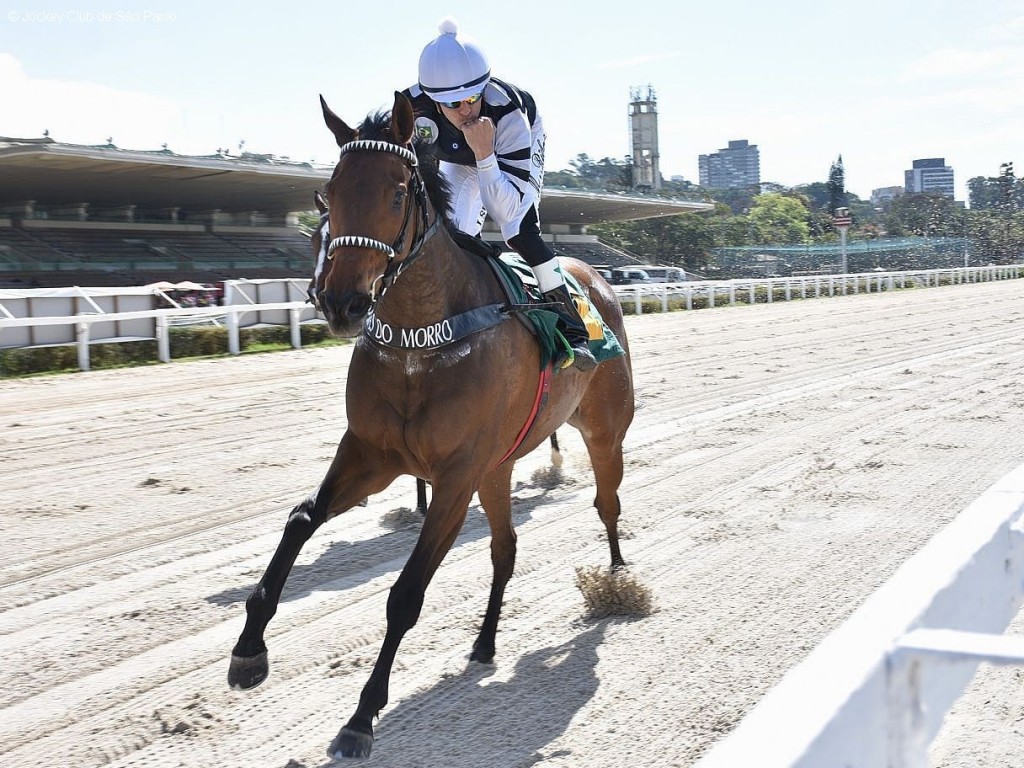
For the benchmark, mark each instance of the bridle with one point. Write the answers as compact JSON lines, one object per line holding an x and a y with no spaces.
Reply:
{"x":424,"y":231}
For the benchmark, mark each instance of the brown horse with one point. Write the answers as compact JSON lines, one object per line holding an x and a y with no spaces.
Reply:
{"x":449,"y":412}
{"x":319,"y":240}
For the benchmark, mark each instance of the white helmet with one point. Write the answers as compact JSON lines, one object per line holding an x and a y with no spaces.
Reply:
{"x":452,"y":69}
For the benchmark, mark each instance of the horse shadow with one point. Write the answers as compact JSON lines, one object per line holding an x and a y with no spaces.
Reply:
{"x":464,"y":720}
{"x":344,"y":564}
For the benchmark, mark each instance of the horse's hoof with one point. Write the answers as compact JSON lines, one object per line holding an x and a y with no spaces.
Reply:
{"x":247,"y":672}
{"x":482,"y":654}
{"x":349,"y":743}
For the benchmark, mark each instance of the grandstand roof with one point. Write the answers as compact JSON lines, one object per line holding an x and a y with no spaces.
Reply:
{"x":106,"y":176}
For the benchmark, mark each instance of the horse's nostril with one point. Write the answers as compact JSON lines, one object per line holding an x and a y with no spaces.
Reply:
{"x":359,"y":306}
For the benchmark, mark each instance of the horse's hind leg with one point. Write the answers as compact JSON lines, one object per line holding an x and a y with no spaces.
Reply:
{"x":496,"y":499}
{"x":421,"y":496}
{"x":607,"y":463}
{"x":556,"y":452}
{"x":347,"y":482}
{"x":603,"y":420}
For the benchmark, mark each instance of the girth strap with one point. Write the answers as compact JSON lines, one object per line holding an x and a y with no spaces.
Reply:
{"x":539,"y":401}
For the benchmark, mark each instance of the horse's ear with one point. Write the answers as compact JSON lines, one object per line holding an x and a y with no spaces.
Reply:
{"x":321,"y":204}
{"x":342,"y":133}
{"x":402,"y":119}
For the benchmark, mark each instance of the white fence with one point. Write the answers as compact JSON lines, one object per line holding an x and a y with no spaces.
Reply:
{"x":874,"y":693}
{"x":84,"y":316}
{"x":769,"y":289}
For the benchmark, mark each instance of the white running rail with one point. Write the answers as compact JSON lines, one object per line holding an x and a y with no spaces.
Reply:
{"x":874,"y":693}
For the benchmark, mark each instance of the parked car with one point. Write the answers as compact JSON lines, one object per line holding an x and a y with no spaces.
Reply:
{"x":629,"y":275}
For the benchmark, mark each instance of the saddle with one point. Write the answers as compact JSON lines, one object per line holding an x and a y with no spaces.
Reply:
{"x":526,"y":301}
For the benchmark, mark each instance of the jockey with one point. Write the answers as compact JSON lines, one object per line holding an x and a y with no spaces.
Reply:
{"x":490,"y":138}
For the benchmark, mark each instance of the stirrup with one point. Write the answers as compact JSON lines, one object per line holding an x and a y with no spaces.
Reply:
{"x":579,"y":356}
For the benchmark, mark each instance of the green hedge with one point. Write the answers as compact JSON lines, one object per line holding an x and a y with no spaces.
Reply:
{"x":184,"y":343}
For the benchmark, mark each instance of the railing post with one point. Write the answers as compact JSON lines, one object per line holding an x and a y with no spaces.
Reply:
{"x":732,"y":294}
{"x":664,"y":298}
{"x":296,"y":329}
{"x":907,"y":734}
{"x":234,"y":343}
{"x":82,"y":341}
{"x":639,"y":302}
{"x":163,"y":340}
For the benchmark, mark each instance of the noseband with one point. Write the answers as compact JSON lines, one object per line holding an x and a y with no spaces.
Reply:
{"x":418,"y":198}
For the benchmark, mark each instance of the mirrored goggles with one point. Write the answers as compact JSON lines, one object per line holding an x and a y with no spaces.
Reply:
{"x":468,"y":101}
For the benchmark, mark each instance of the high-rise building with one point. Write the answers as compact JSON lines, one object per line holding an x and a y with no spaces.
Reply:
{"x":883,"y":196}
{"x":929,"y":175}
{"x":643,"y":124}
{"x":738,"y":165}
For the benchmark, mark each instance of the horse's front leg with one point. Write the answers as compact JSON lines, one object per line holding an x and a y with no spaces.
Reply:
{"x":350,"y":478}
{"x":496,"y":498}
{"x":445,"y":515}
{"x":249,"y":664}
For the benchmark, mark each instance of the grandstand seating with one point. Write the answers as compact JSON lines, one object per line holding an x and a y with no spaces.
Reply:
{"x":43,"y":256}
{"x":595,"y":253}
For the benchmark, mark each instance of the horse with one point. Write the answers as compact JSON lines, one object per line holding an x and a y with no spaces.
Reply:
{"x":318,"y":240}
{"x":458,"y":413}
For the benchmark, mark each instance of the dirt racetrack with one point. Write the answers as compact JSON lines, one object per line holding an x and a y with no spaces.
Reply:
{"x":785,"y":460}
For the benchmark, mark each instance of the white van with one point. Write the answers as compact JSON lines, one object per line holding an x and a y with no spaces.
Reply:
{"x":665,"y":275}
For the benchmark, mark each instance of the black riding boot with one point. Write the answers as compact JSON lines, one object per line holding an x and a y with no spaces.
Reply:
{"x":572,"y":327}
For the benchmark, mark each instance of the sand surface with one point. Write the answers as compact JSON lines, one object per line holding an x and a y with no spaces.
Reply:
{"x":785,"y":460}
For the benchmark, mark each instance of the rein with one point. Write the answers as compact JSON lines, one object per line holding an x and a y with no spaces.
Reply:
{"x":425,"y":230}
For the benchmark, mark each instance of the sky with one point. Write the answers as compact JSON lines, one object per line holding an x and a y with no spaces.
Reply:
{"x":879,"y":82}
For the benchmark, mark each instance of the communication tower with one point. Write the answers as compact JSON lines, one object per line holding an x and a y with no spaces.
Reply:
{"x":643,"y":124}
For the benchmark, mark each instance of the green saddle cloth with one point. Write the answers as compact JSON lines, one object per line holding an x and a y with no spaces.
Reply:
{"x":522,"y":289}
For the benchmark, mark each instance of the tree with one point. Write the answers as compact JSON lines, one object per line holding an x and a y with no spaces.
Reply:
{"x":683,"y":240}
{"x":739,"y":199}
{"x":836,"y":187}
{"x":779,"y":219}
{"x":1002,"y":193}
{"x":926,"y":214}
{"x":818,"y":194}
{"x":603,"y":174}
{"x":984,"y":193}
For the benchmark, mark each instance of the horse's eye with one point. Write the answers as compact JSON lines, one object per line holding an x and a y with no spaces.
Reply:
{"x":399,"y":197}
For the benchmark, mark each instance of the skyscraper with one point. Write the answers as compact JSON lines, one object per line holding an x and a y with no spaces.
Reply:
{"x":929,"y":175}
{"x":738,"y":165}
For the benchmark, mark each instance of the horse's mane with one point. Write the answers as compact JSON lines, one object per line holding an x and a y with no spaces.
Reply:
{"x":377,"y":126}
